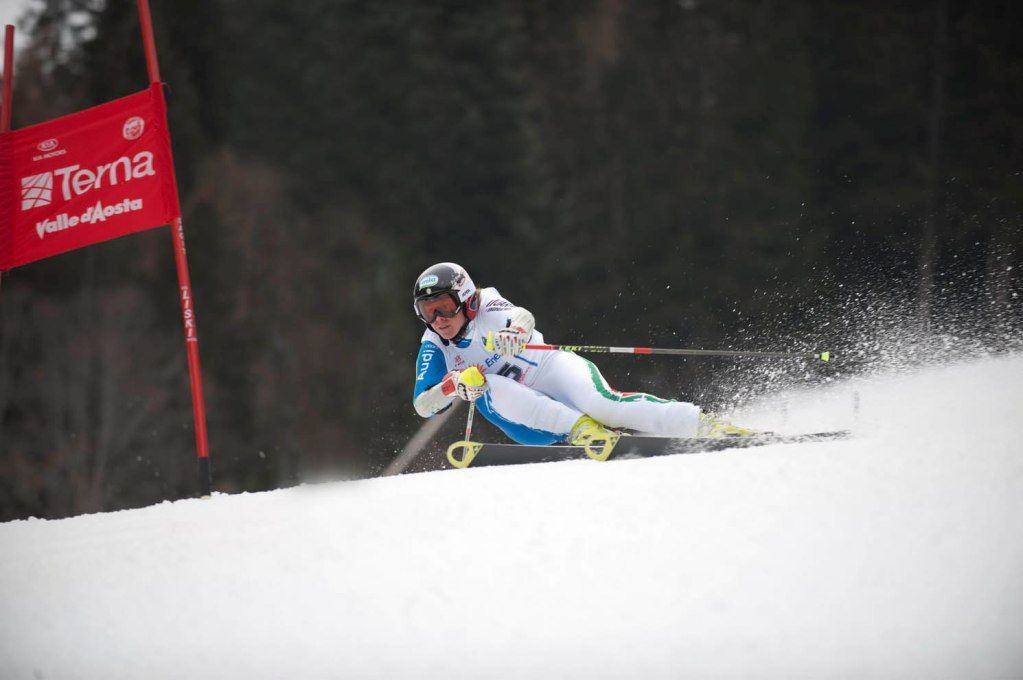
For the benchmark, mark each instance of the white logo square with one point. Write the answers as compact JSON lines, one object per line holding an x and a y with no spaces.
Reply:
{"x":36,"y":190}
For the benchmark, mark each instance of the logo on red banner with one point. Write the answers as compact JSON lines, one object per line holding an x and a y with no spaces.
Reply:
{"x":86,"y":178}
{"x":36,"y":190}
{"x":133,"y":127}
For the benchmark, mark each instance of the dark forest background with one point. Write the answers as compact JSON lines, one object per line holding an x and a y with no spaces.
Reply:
{"x":686,"y":173}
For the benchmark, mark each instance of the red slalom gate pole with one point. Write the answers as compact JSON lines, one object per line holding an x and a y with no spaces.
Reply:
{"x":184,"y":286}
{"x":5,"y":116}
{"x":5,"y":113}
{"x":202,"y":447}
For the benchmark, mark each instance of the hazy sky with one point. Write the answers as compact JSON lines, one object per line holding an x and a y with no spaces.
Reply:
{"x":10,"y":10}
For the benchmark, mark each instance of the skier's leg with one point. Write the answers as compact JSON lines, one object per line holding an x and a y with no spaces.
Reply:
{"x":525,"y":415}
{"x":572,"y":380}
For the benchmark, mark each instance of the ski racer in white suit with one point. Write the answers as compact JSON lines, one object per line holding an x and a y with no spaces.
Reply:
{"x":534,"y":396}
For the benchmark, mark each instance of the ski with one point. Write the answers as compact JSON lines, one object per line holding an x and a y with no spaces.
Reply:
{"x":478,"y":454}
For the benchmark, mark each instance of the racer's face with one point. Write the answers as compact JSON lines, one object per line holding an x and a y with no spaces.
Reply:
{"x":443,"y":312}
{"x":448,"y":328}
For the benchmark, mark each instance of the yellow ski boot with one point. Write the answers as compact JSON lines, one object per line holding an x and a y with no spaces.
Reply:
{"x":597,"y":440}
{"x":713,"y":427}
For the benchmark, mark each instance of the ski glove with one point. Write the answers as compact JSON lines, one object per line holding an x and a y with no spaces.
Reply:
{"x":509,"y":341}
{"x":469,"y":384}
{"x":512,"y":340}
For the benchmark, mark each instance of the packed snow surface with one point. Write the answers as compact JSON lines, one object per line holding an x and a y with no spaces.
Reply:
{"x":896,"y":553}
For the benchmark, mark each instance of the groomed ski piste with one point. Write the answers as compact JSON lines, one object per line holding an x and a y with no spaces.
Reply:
{"x":896,"y":553}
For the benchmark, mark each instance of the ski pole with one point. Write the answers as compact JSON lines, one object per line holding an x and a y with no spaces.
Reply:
{"x":823,"y":356}
{"x":468,"y":421}
{"x":470,"y":376}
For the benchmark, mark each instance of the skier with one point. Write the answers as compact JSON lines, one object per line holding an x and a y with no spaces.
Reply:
{"x":535,"y":397}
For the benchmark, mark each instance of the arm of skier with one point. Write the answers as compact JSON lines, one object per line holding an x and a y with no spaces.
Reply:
{"x":431,"y":395}
{"x":436,"y":387}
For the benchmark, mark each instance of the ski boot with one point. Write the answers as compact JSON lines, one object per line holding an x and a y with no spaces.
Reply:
{"x":597,"y":440}
{"x":713,"y":427}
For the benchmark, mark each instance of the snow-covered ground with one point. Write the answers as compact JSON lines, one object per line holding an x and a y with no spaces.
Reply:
{"x":898,"y":553}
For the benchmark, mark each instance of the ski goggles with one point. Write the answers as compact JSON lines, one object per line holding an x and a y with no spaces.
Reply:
{"x":443,"y":304}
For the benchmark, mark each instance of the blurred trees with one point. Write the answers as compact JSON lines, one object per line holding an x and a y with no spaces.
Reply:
{"x":92,"y":397}
{"x":663,"y":172}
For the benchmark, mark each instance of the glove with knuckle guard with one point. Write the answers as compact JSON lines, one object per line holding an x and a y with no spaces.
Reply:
{"x":469,"y":384}
{"x":513,"y":339}
{"x":510,"y":341}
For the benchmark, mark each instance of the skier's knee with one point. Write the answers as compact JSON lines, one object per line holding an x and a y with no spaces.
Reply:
{"x":599,"y":408}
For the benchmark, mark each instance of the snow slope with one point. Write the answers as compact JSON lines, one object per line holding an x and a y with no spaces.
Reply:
{"x":897,"y":553}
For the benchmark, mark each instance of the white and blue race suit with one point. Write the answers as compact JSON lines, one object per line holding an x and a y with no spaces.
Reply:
{"x":537,"y":396}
